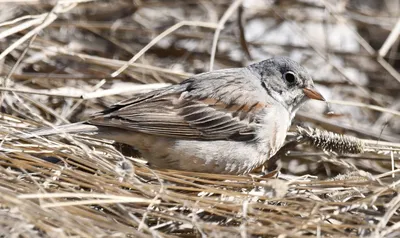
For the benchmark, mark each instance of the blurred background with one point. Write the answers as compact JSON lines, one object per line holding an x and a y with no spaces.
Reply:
{"x":61,"y":61}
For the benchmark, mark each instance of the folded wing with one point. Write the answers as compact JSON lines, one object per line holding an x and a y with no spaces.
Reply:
{"x":188,"y":111}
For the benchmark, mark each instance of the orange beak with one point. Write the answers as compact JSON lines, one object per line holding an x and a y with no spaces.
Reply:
{"x":313,"y":94}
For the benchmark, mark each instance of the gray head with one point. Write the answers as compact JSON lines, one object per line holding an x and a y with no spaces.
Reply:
{"x":286,"y":81}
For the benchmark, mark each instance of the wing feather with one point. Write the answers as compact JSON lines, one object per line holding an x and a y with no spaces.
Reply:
{"x":186,"y":111}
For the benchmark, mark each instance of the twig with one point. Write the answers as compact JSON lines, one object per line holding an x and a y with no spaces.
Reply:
{"x":46,"y":108}
{"x":320,"y":52}
{"x":56,"y":51}
{"x":394,"y":34}
{"x":12,"y":22}
{"x":242,"y":34}
{"x":232,"y":8}
{"x":117,"y":91}
{"x":38,"y":93}
{"x":49,"y":19}
{"x":332,"y":126}
{"x":392,"y":207}
{"x":14,"y":67}
{"x":369,"y":48}
{"x":358,"y":37}
{"x":358,"y":104}
{"x":159,"y":37}
{"x":79,"y":102}
{"x":392,"y":71}
{"x":36,"y":20}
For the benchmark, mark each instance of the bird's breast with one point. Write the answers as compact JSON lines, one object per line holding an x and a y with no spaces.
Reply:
{"x":274,"y":125}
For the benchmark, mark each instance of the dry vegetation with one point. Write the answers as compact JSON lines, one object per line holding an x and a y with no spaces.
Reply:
{"x":61,"y":62}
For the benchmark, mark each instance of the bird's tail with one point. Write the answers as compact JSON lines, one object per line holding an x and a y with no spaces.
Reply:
{"x":80,"y":127}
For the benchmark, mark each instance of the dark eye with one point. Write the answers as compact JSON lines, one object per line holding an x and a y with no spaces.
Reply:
{"x":290,"y":77}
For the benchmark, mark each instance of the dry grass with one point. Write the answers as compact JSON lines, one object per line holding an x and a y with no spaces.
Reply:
{"x":61,"y":62}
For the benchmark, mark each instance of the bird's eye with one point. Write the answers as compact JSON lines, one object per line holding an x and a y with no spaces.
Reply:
{"x":290,"y":77}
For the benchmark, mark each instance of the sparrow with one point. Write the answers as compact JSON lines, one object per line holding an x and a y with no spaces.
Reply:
{"x":227,"y":121}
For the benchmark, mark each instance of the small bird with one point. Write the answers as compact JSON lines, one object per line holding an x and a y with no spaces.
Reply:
{"x":228,"y":121}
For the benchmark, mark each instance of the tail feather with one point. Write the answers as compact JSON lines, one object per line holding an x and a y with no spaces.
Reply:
{"x":80,"y":127}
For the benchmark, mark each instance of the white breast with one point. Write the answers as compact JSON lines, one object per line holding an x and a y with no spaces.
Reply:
{"x":274,"y":126}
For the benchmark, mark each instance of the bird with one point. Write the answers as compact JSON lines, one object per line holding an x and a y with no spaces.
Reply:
{"x":227,"y":121}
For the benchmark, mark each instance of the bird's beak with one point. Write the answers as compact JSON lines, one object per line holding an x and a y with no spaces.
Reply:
{"x":313,"y":94}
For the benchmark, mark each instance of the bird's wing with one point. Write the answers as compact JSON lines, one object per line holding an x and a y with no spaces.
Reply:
{"x":218,"y":107}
